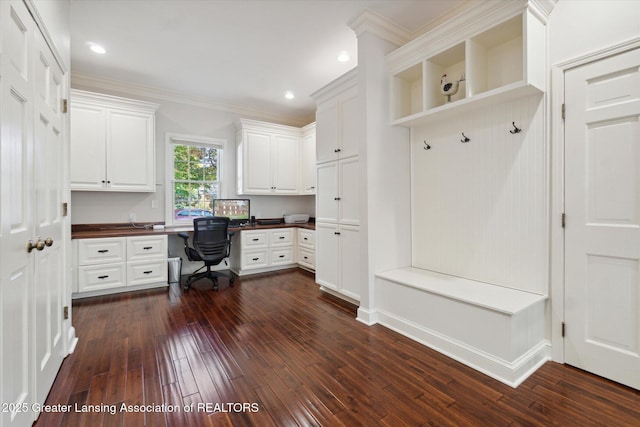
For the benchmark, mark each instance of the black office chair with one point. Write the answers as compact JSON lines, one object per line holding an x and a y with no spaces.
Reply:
{"x":211,"y":244}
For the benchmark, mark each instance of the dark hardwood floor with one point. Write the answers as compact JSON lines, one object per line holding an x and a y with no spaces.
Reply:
{"x":275,"y":351}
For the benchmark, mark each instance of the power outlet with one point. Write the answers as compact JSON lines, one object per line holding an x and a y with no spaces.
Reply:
{"x":132,"y":216}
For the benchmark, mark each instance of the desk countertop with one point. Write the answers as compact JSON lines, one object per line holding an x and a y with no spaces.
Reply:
{"x":91,"y":231}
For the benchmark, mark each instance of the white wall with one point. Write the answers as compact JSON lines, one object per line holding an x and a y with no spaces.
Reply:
{"x":174,"y":117}
{"x":577,"y":27}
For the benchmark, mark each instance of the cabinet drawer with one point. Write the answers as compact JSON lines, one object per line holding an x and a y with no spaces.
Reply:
{"x":282,"y":237}
{"x":254,"y":239}
{"x":102,"y":251}
{"x":146,"y":247}
{"x":306,"y":257}
{"x":143,"y":272}
{"x":307,"y":238}
{"x":255,"y":259}
{"x":96,"y":277}
{"x":282,"y":256}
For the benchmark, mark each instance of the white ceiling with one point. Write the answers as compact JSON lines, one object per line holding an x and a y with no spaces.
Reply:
{"x":236,"y":53}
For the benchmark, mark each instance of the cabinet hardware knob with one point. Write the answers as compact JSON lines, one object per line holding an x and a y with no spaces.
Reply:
{"x":306,"y":257}
{"x":255,"y":240}
{"x":146,"y":248}
{"x":306,"y":238}
{"x":102,"y":277}
{"x":148,"y":272}
{"x":48,"y":241}
{"x":103,"y":251}
{"x":30,"y":246}
{"x":255,"y":259}
{"x":281,"y":237}
{"x":337,"y":150}
{"x":281,"y":256}
{"x":337,"y":233}
{"x":336,"y":198}
{"x":40,"y":244}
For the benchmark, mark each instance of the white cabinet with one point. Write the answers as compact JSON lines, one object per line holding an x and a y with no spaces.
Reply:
{"x":111,"y":264}
{"x":337,"y":197}
{"x":308,"y":160}
{"x":263,"y":250}
{"x":112,"y":143}
{"x":306,"y":248}
{"x":268,"y":158}
{"x":336,"y":126}
{"x":337,"y":254}
{"x":488,"y":66}
{"x":338,"y":258}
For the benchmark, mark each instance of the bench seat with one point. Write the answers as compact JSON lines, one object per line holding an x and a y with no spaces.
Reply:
{"x":494,"y":329}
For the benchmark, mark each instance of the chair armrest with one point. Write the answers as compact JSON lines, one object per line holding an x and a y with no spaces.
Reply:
{"x":231,"y":233}
{"x":185,"y":236}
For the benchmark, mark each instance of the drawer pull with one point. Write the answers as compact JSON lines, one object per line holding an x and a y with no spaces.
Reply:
{"x":146,"y":248}
{"x":281,"y":237}
{"x":148,"y":272}
{"x":336,"y":198}
{"x":256,"y":239}
{"x":336,"y":233}
{"x":306,"y":257}
{"x":306,"y":238}
{"x":281,"y":256}
{"x":103,"y":251}
{"x":102,"y":277}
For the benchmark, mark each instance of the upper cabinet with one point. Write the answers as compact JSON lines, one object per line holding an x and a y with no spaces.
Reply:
{"x":481,"y":62}
{"x":271,"y":159}
{"x":112,"y":143}
{"x":308,"y":160}
{"x":336,"y":122}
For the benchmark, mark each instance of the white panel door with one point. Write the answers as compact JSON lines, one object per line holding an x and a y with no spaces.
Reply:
{"x":327,"y":132}
{"x":16,"y":212}
{"x":349,"y":192}
{"x":88,"y":165}
{"x":602,"y":283}
{"x":327,"y":255}
{"x":350,"y":255}
{"x":285,"y":161}
{"x":308,"y":165}
{"x":130,"y":151}
{"x":349,"y":123}
{"x":327,"y":195}
{"x":257,"y":163}
{"x":48,"y":171}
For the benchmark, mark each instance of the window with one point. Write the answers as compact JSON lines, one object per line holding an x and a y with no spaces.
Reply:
{"x":194,"y":171}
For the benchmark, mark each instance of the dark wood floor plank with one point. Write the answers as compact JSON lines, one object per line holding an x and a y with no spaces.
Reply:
{"x":273,"y":350}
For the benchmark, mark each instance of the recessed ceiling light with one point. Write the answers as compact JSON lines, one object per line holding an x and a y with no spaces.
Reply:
{"x":289,"y":95}
{"x":96,"y":48}
{"x":343,"y":56}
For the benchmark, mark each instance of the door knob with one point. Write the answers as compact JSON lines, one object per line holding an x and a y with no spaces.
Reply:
{"x":39,"y":245}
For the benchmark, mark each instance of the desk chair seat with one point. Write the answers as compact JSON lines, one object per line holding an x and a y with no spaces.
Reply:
{"x":211,"y":245}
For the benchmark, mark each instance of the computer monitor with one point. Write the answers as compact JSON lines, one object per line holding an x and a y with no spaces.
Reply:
{"x":237,"y":210}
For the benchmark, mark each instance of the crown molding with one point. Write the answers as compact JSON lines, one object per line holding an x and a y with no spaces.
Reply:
{"x":88,"y":82}
{"x":342,"y":83}
{"x":371,"y":22}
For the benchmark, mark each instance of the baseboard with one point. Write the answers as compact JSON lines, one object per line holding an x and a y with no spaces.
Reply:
{"x":367,"y":316}
{"x":512,"y":373}
{"x":72,"y":340}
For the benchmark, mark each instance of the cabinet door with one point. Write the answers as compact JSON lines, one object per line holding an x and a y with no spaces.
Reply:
{"x":327,"y":132}
{"x":349,"y":119}
{"x":285,"y":163}
{"x":130,"y":151}
{"x":327,"y":192}
{"x":327,"y":255}
{"x":87,"y":149}
{"x":349,"y":262}
{"x":349,"y":191}
{"x":257,"y":163}
{"x":308,"y":165}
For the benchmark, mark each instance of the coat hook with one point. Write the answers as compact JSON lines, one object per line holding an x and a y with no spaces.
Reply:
{"x":465,"y":138}
{"x":426,"y":146}
{"x":515,"y":129}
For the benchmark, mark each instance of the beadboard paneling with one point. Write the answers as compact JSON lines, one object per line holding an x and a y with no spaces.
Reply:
{"x":479,"y":209}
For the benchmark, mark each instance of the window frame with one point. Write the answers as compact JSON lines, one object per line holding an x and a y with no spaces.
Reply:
{"x":171,"y":139}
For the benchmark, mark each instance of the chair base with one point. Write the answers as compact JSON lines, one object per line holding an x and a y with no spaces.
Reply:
{"x":211,"y":275}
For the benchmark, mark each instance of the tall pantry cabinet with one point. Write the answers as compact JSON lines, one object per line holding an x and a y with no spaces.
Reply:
{"x":337,"y":193}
